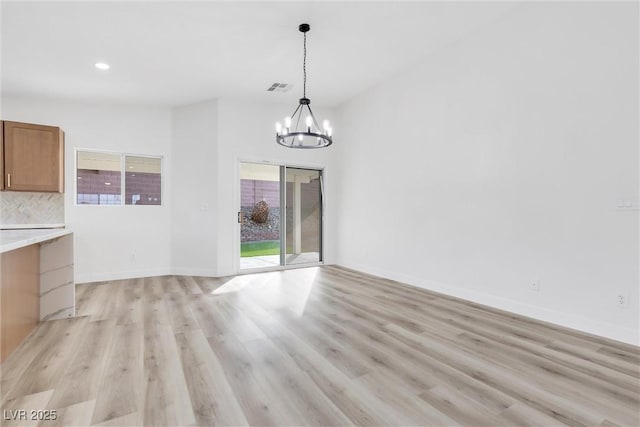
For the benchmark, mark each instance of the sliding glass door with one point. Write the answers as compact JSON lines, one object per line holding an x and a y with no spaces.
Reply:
{"x":280,"y":216}
{"x":259,"y":216}
{"x":303,"y":225}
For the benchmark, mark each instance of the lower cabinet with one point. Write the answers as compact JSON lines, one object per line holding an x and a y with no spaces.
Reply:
{"x":37,"y":285}
{"x":20,"y":298}
{"x":57,"y":287}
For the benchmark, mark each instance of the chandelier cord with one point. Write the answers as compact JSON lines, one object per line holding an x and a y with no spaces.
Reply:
{"x":304,"y":68}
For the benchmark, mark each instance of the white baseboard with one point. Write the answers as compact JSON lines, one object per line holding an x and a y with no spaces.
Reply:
{"x":120,"y":275}
{"x":583,"y":324}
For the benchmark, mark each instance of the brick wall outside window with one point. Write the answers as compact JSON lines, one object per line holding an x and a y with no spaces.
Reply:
{"x":146,"y":185}
{"x":98,"y":187}
{"x":104,"y":188}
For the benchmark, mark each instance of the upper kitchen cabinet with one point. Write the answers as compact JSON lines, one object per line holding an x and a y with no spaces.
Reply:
{"x":33,"y":157}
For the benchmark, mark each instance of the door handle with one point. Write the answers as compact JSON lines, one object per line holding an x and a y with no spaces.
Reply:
{"x":240,"y":217}
{"x":8,"y":180}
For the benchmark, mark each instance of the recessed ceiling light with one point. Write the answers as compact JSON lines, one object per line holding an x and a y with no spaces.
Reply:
{"x":102,"y":66}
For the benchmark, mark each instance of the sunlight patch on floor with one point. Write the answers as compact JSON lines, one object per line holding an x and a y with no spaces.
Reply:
{"x":289,"y":288}
{"x":239,"y":283}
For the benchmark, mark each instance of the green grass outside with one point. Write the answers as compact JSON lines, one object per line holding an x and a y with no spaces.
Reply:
{"x":264,"y":247}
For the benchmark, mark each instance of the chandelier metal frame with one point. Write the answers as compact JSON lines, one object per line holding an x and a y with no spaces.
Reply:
{"x":310,"y":134}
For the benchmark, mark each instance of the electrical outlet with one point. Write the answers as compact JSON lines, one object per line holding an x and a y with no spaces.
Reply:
{"x":622,"y":300}
{"x":535,"y":285}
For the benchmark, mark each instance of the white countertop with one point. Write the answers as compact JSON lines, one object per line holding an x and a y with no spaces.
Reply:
{"x":28,"y":226}
{"x":16,"y":239}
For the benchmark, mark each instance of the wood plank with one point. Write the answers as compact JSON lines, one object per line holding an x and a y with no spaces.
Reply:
{"x":258,"y":402}
{"x":315,"y":346}
{"x":154,"y":309}
{"x":166,"y":396}
{"x":208,"y":318}
{"x":407,"y":408}
{"x":16,"y":364}
{"x":360,"y":408}
{"x":78,"y":414}
{"x":130,"y":420}
{"x":525,"y":416}
{"x":460,"y":407}
{"x":509,"y":382}
{"x":11,"y":415}
{"x":83,"y":376}
{"x":131,"y":302}
{"x":85,"y":298}
{"x":305,"y":403}
{"x":345,"y":359}
{"x":121,"y":388}
{"x":212,"y":398}
{"x":176,"y":302}
{"x":94,"y":298}
{"x":188,"y":285}
{"x":52,"y":359}
{"x":414,"y":293}
{"x":371,"y":347}
{"x":236,"y":322}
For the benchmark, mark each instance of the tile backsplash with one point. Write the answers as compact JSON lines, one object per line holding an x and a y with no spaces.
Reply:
{"x":31,"y":208}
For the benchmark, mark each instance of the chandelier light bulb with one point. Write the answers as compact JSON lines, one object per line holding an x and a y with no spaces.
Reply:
{"x":309,"y":121}
{"x":278,"y":127}
{"x":326,"y":125}
{"x":287,"y":122}
{"x":300,"y":137}
{"x":329,"y":131}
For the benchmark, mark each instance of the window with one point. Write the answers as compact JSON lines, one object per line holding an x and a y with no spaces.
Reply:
{"x":143,"y":180}
{"x":98,"y":177}
{"x":113,"y":178}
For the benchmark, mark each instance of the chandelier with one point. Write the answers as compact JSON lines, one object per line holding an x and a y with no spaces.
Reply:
{"x":299,"y":133}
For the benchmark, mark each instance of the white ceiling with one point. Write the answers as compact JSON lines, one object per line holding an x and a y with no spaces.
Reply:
{"x":175,"y":53}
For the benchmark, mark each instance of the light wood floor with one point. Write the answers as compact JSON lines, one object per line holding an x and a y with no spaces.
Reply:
{"x":315,"y":346}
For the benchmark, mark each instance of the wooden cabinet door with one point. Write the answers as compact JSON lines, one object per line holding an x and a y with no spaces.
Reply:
{"x":20,"y":296}
{"x":33,"y":157}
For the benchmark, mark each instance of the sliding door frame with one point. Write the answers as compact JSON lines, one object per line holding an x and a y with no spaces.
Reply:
{"x":283,"y":200}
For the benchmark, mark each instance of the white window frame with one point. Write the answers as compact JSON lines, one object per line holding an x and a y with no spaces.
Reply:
{"x":123,"y":183}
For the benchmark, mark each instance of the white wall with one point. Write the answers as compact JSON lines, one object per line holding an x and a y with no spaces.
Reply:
{"x":246,"y":132}
{"x":110,"y":241}
{"x":195,"y":231}
{"x":195,"y":180}
{"x":209,"y":140}
{"x":499,"y":161}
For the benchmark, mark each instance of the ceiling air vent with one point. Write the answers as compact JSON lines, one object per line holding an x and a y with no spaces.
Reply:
{"x":280,"y":87}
